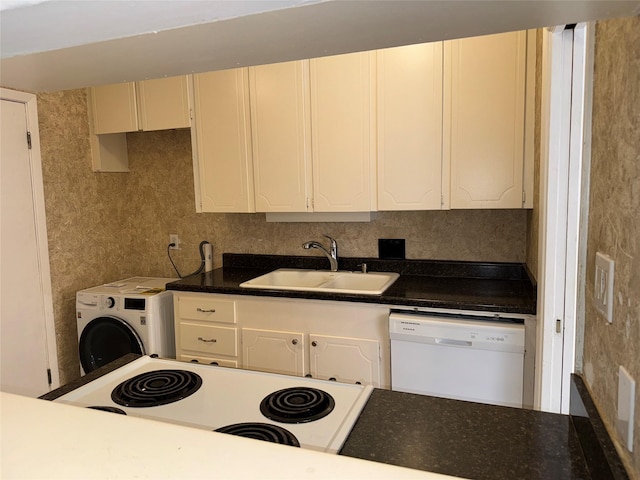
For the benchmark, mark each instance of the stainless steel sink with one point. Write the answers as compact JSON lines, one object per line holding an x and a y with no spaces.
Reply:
{"x":373,"y":283}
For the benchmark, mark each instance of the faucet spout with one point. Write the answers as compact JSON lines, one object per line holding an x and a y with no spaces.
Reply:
{"x":332,"y":255}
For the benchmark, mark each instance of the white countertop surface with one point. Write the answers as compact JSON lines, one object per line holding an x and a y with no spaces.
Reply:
{"x":46,"y":440}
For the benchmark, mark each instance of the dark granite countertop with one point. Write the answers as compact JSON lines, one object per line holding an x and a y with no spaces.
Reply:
{"x":478,"y":441}
{"x":492,"y":287}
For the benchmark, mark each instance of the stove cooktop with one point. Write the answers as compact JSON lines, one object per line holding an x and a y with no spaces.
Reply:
{"x":311,"y":413}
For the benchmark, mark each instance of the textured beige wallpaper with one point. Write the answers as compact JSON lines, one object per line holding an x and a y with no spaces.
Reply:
{"x":106,"y":226}
{"x":84,"y":215}
{"x":614,"y":219}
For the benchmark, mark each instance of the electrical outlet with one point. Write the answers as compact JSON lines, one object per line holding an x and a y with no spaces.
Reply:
{"x":626,"y":403}
{"x":173,"y":238}
{"x":604,"y":285}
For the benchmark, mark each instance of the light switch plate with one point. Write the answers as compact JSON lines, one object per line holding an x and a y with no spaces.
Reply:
{"x":626,"y":403}
{"x":604,"y":285}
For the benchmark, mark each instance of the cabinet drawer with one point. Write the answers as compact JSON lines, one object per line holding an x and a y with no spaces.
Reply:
{"x":207,"y":309}
{"x":222,"y":362}
{"x":208,"y":339}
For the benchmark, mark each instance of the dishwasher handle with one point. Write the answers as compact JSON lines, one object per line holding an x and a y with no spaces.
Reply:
{"x":452,"y":342}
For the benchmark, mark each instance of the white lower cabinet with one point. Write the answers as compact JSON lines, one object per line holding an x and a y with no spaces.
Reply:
{"x":273,"y":351}
{"x":348,"y":360}
{"x":206,"y":330}
{"x":343,"y":341}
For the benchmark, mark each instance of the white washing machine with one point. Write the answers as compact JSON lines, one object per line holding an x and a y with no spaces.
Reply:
{"x":134,"y":315}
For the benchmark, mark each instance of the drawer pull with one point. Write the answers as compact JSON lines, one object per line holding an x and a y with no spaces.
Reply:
{"x":204,"y":310}
{"x":207,"y":340}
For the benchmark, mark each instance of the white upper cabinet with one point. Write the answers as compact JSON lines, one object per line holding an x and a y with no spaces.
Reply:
{"x":221,"y":141}
{"x":410,"y":169}
{"x":313,"y":134}
{"x":484,"y":108}
{"x":343,"y":132}
{"x":164,"y":103}
{"x":160,"y":104}
{"x":280,"y":128}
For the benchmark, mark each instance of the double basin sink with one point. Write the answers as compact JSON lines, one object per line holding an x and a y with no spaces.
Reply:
{"x":372,"y":283}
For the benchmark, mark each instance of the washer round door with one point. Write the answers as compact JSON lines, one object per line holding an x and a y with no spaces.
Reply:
{"x":106,"y":339}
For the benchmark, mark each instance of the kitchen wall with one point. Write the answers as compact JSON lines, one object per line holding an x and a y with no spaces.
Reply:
{"x":87,"y":245}
{"x":614,"y":220}
{"x":105,"y":226}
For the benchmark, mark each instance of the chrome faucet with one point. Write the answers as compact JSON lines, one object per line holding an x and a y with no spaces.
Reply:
{"x":331,"y":254}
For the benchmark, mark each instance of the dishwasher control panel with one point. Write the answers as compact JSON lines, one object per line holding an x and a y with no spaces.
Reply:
{"x":461,"y":332}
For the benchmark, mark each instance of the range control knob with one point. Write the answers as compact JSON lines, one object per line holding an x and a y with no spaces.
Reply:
{"x":110,"y":302}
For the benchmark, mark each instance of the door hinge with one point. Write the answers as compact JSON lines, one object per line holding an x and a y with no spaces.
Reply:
{"x":29,"y":140}
{"x":558,"y":326}
{"x":49,"y":376}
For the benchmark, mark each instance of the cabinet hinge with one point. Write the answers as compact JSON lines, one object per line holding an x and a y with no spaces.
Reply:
{"x":49,"y":376}
{"x":29,"y":140}
{"x":524,"y":197}
{"x":558,"y":326}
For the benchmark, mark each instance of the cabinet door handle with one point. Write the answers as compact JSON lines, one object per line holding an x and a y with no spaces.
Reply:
{"x":332,"y":379}
{"x":314,"y":344}
{"x":294,"y":341}
{"x":204,"y":310}
{"x":207,"y":340}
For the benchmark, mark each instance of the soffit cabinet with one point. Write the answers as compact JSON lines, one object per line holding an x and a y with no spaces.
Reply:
{"x":159,"y":104}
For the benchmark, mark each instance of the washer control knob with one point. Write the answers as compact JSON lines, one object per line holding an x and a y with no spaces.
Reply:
{"x":110,"y":302}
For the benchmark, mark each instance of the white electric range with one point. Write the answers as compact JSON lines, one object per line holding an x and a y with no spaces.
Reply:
{"x":296,"y":411}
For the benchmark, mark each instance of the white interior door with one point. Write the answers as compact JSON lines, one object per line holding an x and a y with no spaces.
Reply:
{"x":26,"y":312}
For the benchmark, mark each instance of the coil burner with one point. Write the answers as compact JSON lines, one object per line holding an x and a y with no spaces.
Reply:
{"x":158,"y":387}
{"x":297,"y":405}
{"x":261,"y":431}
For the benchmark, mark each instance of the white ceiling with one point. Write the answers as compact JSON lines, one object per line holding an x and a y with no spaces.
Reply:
{"x":62,"y":44}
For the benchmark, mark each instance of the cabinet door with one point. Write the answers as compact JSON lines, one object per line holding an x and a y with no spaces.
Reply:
{"x":484,"y":111}
{"x":273,"y":351}
{"x":342,"y":120}
{"x":222,"y":142}
{"x":280,"y":128}
{"x":164,"y":103}
{"x":410,"y":127}
{"x":348,"y":360}
{"x":114,"y":108}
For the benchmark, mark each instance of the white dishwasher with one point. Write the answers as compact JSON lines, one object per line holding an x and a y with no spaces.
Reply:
{"x":462,"y":357}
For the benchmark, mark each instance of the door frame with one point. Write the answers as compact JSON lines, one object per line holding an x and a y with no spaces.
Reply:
{"x":31,"y":108}
{"x":564,"y":187}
